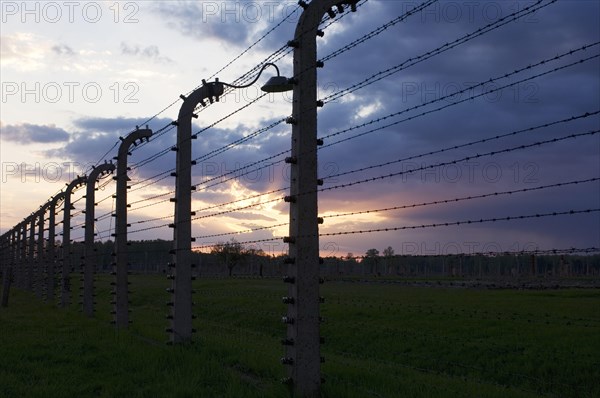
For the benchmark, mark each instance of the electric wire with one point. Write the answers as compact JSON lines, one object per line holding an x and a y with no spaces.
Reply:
{"x":372,"y":179}
{"x":378,"y":30}
{"x":413,"y":61}
{"x":484,"y":140}
{"x":474,"y":96}
{"x":464,"y":198}
{"x":465,"y":145}
{"x":414,"y":205}
{"x":463,"y":222}
{"x":455,"y":161}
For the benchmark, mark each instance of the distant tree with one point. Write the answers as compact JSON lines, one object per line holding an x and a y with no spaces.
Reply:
{"x":229,"y":253}
{"x":372,"y":253}
{"x":388,"y":252}
{"x":371,"y":259}
{"x":254,"y":252}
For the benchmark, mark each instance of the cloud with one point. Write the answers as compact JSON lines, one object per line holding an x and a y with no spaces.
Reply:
{"x":234,"y":23}
{"x":121,"y":125}
{"x":150,"y":52}
{"x":94,"y":135}
{"x":23,"y":51}
{"x":31,"y":133}
{"x":63,"y":49}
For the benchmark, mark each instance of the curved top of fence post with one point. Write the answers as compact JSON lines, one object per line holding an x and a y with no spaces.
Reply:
{"x":315,"y":11}
{"x":134,"y":136}
{"x":77,"y":182}
{"x":56,"y":198}
{"x":97,"y":171}
{"x":208,"y":91}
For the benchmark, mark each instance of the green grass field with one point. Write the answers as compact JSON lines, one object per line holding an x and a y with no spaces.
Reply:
{"x":382,"y":340}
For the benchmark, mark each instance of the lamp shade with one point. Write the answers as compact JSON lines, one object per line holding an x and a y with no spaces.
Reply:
{"x":277,"y":84}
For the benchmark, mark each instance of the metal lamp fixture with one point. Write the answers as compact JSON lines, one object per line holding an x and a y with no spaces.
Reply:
{"x":276,"y":84}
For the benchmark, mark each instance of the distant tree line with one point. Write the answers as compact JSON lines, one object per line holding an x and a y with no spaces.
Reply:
{"x":232,"y":258}
{"x":464,"y":265}
{"x":152,"y":256}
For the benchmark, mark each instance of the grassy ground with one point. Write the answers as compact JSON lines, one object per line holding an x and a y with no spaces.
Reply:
{"x":381,"y":341}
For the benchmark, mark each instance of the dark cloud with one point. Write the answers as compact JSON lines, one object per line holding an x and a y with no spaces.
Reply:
{"x":120,"y":125}
{"x":203,"y":20}
{"x":237,"y":24}
{"x":95,"y":136}
{"x":223,"y":167}
{"x":32,"y":133}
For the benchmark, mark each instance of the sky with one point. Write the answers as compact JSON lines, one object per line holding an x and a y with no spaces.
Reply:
{"x":78,"y":75}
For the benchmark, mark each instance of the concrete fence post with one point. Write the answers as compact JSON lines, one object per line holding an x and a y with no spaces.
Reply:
{"x":51,"y":251}
{"x":121,"y":301}
{"x":65,"y":298}
{"x":39,"y":280}
{"x":181,"y":268}
{"x":23,"y":256}
{"x":90,"y":257}
{"x":31,"y":253}
{"x":302,"y":344}
{"x":16,"y":252}
{"x":7,"y":269}
{"x":13,"y":255}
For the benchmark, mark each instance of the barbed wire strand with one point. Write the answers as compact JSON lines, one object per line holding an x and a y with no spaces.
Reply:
{"x":463,"y":222}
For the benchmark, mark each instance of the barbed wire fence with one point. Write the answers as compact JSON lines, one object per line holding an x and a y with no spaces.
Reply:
{"x":223,"y":198}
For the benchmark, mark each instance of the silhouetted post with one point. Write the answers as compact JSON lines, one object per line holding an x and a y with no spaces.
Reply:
{"x":121,"y":310}
{"x":14,"y":264}
{"x":17,"y":263}
{"x":51,"y":257}
{"x":181,"y":325}
{"x":23,"y":255}
{"x":303,"y":340}
{"x":31,"y":253}
{"x":7,"y":271}
{"x":40,"y":285}
{"x":65,"y":299}
{"x":90,"y":258}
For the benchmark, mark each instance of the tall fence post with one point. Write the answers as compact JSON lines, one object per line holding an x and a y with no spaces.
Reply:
{"x":17,"y":261}
{"x":51,"y":252}
{"x":303,"y":339}
{"x":23,"y":269}
{"x":31,"y":253}
{"x":7,"y":270}
{"x":40,"y":282}
{"x":14,"y":255}
{"x":65,"y":298}
{"x":90,"y":257}
{"x":121,"y":301}
{"x":181,"y":274}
